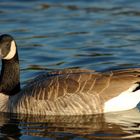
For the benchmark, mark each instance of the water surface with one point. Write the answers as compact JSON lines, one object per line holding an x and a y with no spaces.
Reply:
{"x":93,"y":34}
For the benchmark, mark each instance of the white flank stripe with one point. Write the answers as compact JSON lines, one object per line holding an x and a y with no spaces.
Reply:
{"x":125,"y":101}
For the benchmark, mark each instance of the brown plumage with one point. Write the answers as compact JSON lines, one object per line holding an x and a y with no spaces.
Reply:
{"x":65,"y":92}
{"x":73,"y":92}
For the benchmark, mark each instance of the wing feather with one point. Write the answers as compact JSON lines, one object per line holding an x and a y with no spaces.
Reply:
{"x":75,"y":92}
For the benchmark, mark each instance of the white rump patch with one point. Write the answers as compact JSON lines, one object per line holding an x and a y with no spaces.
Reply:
{"x":125,"y":101}
{"x":12,"y":51}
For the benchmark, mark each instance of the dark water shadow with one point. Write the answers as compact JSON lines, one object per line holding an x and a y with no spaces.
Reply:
{"x":121,"y":125}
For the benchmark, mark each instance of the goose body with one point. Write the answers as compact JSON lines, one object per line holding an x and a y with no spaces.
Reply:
{"x":65,"y":92}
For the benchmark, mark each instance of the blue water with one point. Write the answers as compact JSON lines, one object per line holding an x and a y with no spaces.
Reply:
{"x":56,"y":34}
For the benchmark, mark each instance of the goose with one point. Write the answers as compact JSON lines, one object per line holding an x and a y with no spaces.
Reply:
{"x":67,"y":91}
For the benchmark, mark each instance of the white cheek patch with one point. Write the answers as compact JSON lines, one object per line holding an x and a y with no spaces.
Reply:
{"x":125,"y":101}
{"x":12,"y":51}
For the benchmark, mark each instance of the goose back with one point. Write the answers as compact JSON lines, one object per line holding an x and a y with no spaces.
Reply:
{"x":72,"y":92}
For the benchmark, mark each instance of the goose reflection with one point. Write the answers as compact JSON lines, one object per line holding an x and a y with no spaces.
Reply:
{"x":104,"y":126}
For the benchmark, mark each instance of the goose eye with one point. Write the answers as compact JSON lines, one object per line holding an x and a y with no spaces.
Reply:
{"x":5,"y":49}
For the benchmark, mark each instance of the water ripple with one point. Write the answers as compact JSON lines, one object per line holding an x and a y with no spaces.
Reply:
{"x":101,"y":35}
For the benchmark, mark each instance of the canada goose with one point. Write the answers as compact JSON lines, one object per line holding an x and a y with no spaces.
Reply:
{"x":66,"y":92}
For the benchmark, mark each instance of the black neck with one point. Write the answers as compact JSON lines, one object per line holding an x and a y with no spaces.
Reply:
{"x":10,"y":76}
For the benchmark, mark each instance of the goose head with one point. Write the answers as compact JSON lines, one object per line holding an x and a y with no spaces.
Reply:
{"x":7,"y":47}
{"x":9,"y":78}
